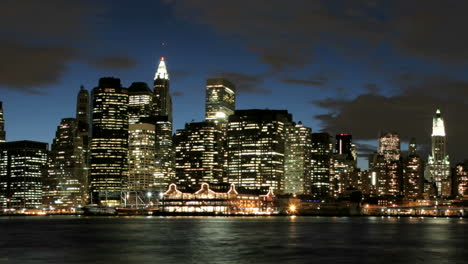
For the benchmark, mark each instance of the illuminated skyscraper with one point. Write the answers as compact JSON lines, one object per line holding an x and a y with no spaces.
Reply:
{"x":142,"y":158}
{"x":344,"y":174}
{"x":438,"y":165}
{"x":255,"y":148}
{"x":65,"y":185}
{"x":162,"y":107}
{"x":220,"y":99}
{"x":389,"y":148}
{"x":413,"y":173}
{"x":321,"y":164}
{"x":297,"y":159}
{"x":82,"y":137}
{"x":140,"y":104}
{"x":162,"y":100}
{"x":461,"y":176}
{"x":109,"y":143}
{"x":198,"y":154}
{"x":23,"y":165}
{"x":141,"y":142}
{"x":2,"y":124}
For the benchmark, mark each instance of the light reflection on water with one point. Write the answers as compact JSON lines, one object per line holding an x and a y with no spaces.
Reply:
{"x":232,"y":240}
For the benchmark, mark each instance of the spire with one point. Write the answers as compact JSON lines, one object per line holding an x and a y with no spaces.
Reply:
{"x":438,"y":127}
{"x":161,"y":73}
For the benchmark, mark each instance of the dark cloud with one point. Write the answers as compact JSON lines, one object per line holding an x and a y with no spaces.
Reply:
{"x":39,"y":39}
{"x":114,"y":62}
{"x":286,"y":35}
{"x":410,"y":112}
{"x":312,"y":82}
{"x":365,"y":149}
{"x":177,"y":94}
{"x":246,"y":83}
{"x":25,"y":67}
{"x":372,"y":88}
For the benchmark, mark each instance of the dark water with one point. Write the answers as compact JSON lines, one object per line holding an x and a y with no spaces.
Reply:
{"x":233,"y":240}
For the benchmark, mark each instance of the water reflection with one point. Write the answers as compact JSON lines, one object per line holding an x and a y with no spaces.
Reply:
{"x":232,"y":240}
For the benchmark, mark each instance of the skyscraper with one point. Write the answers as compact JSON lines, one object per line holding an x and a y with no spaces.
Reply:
{"x":23,"y":165}
{"x":82,"y":136}
{"x":162,"y":100}
{"x":109,"y":143}
{"x":413,"y":173}
{"x":297,"y":159}
{"x":141,"y":143}
{"x":140,"y":104}
{"x":162,"y":107}
{"x":389,"y":148}
{"x":255,"y":148}
{"x":438,"y":165}
{"x":2,"y":124}
{"x":344,"y":165}
{"x":198,"y":154}
{"x":65,"y":185}
{"x":220,"y":99}
{"x":321,"y":164}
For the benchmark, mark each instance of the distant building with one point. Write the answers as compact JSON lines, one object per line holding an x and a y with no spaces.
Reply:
{"x":413,"y":173}
{"x":389,"y":148}
{"x":220,"y":99}
{"x":378,"y":174}
{"x":23,"y":166}
{"x":162,"y":107}
{"x":297,"y":159}
{"x":140,"y":102}
{"x":255,"y":148}
{"x":344,"y":174}
{"x":198,"y":155}
{"x":321,"y":164}
{"x":461,"y":176}
{"x":2,"y":124}
{"x":141,"y":159}
{"x":109,"y":143}
{"x":65,"y":186}
{"x":438,"y":165}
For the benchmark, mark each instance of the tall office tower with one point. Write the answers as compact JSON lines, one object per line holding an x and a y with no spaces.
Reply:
{"x":378,"y":167}
{"x":255,"y":148}
{"x":321,"y":164}
{"x":461,"y":175}
{"x":162,"y":108}
{"x":109,"y":143}
{"x":413,"y":173}
{"x":82,"y":137}
{"x":438,"y":165}
{"x":141,"y":143}
{"x":344,"y":144}
{"x":2,"y":124}
{"x":297,"y":159}
{"x":141,"y":158}
{"x":140,"y":104}
{"x":220,"y":99}
{"x":23,"y":164}
{"x":345,"y":163}
{"x":65,"y":185}
{"x":198,"y":154}
{"x":162,"y":100}
{"x":389,"y":147}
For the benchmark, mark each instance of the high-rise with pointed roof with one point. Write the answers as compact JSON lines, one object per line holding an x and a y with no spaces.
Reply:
{"x":2,"y":124}
{"x":162,"y":112}
{"x":438,"y":165}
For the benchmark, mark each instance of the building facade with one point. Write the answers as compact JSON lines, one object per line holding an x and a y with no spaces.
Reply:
{"x":2,"y":125}
{"x":438,"y":164}
{"x":255,"y":148}
{"x":162,"y":112}
{"x":413,"y":173}
{"x":321,"y":164}
{"x":297,"y":159}
{"x":109,"y":143}
{"x":23,"y":166}
{"x":220,"y":99}
{"x":198,"y":154}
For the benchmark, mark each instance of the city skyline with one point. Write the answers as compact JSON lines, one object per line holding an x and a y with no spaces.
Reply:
{"x":393,"y":86}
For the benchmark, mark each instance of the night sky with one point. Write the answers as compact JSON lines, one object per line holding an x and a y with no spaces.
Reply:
{"x":358,"y":67}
